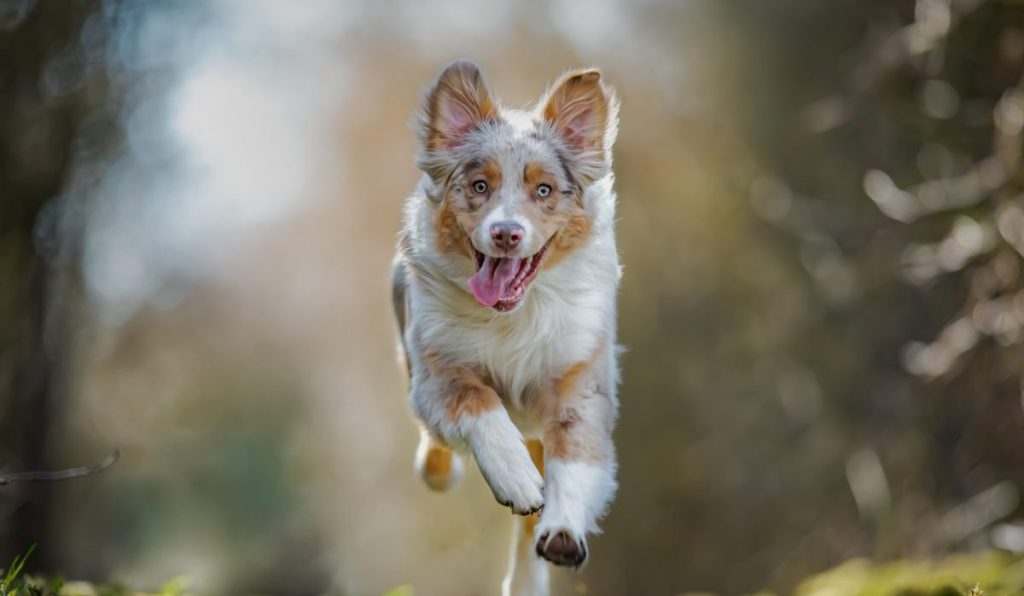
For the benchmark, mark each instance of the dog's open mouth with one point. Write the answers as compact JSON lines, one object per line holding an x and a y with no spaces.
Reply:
{"x":501,"y":282}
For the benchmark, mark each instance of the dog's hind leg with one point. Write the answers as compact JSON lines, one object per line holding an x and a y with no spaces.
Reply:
{"x":438,"y":466}
{"x":527,"y":573}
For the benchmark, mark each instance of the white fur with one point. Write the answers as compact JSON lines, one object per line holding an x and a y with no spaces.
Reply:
{"x":527,"y":574}
{"x":576,"y":495}
{"x":504,"y":461}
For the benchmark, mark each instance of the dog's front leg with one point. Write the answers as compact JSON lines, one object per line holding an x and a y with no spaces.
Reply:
{"x":455,"y":403}
{"x":579,"y":467}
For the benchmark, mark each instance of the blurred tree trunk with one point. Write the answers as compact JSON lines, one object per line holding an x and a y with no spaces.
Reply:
{"x":37,"y":126}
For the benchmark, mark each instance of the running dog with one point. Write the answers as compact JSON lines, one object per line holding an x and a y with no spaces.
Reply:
{"x":504,"y":287}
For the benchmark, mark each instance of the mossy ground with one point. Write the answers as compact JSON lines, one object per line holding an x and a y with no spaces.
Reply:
{"x":992,"y":573}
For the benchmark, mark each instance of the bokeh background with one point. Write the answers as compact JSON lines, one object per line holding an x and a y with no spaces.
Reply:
{"x":821,"y":222}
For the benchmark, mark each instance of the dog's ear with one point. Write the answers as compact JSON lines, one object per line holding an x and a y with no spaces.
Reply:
{"x":455,"y":104}
{"x":584,"y":113}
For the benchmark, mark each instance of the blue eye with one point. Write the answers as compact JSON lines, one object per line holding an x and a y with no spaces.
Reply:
{"x":543,"y":190}
{"x":480,"y":187}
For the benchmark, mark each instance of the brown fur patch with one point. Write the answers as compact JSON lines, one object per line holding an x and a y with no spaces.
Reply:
{"x":564,"y":387}
{"x":561,"y":435}
{"x":492,"y":172}
{"x":451,"y":237}
{"x":566,"y":383}
{"x":529,"y":523}
{"x":533,"y":176}
{"x":534,"y":173}
{"x":572,"y":236}
{"x":467,"y":395}
{"x":460,"y":209}
{"x":435,"y":362}
{"x":536,"y":449}
{"x":557,"y":216}
{"x":439,"y":461}
{"x":568,"y":434}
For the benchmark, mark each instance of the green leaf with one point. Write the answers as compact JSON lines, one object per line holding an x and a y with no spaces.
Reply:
{"x":6,"y":585}
{"x":175,"y":587}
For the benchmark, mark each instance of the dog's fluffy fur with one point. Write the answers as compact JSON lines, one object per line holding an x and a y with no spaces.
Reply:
{"x":504,"y":288}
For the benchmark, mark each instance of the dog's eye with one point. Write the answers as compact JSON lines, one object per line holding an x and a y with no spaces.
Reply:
{"x":543,"y":190}
{"x":480,"y":187}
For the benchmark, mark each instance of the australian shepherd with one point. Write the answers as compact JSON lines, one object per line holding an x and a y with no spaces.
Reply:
{"x":504,"y":287}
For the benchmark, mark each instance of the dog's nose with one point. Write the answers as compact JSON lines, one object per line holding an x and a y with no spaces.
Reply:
{"x":506,"y":235}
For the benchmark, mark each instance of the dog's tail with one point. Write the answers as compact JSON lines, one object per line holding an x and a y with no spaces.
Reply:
{"x":399,"y":302}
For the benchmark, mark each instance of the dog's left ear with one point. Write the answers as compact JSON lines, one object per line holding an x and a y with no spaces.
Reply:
{"x":584,"y":113}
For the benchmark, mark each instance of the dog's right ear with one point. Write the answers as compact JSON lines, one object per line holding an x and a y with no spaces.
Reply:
{"x":453,"y":106}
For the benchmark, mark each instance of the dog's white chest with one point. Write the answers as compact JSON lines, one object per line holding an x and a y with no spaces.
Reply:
{"x":522,"y":350}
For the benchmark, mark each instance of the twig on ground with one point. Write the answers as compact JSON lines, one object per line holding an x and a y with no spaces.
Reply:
{"x":61,"y":474}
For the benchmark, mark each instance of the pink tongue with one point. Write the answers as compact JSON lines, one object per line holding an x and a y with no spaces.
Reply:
{"x":493,"y":280}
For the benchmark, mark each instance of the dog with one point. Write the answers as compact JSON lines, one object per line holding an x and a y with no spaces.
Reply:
{"x":504,"y":286}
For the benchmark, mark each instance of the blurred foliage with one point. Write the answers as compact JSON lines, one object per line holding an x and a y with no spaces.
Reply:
{"x":839,"y":346}
{"x":16,"y":583}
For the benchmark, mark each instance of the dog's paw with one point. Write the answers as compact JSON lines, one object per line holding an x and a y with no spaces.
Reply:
{"x":505,"y":463}
{"x":514,"y":480}
{"x":562,"y":547}
{"x":519,"y":487}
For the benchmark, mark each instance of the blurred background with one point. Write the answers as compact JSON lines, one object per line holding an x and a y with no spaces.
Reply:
{"x":821,"y":222}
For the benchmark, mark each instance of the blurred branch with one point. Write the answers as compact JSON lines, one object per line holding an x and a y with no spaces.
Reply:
{"x":934,"y":21}
{"x":987,"y":176}
{"x":65,"y":474}
{"x":934,"y":196}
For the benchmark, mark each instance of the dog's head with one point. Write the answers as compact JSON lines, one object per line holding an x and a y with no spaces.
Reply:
{"x":507,"y":185}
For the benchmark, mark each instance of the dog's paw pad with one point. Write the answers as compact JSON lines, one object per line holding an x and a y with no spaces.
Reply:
{"x":562,"y":549}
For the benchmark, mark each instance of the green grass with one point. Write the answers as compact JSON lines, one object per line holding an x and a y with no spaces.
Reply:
{"x":10,"y":584}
